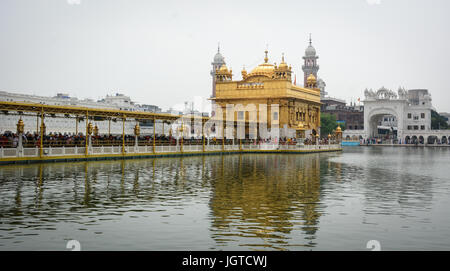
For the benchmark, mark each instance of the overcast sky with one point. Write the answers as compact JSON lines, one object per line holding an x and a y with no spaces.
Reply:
{"x":160,"y":52}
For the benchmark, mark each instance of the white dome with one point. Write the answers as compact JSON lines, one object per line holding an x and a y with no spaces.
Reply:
{"x":310,"y":51}
{"x":218,"y":58}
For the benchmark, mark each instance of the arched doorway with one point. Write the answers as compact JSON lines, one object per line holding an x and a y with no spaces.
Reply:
{"x":384,"y":112}
{"x":432,"y":140}
{"x":379,"y":124}
{"x":444,"y":140}
{"x":421,"y":140}
{"x":407,"y":140}
{"x":414,"y":140}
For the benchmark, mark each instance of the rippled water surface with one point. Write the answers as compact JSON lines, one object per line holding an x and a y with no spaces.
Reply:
{"x":328,"y":201}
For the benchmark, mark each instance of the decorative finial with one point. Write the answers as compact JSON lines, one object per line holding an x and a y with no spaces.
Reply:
{"x":282,"y":57}
{"x":266,"y":59}
{"x":218,"y":47}
{"x":310,"y":39}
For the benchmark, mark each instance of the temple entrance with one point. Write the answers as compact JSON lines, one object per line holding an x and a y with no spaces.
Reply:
{"x":381,"y":126}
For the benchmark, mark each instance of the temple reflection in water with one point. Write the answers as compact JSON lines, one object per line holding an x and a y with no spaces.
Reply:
{"x":247,"y":198}
{"x":248,"y":201}
{"x":253,"y":200}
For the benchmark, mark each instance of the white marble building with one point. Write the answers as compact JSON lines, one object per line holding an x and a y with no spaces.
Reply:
{"x":409,"y":111}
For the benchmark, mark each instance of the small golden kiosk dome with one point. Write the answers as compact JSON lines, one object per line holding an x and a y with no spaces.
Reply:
{"x":311,"y":80}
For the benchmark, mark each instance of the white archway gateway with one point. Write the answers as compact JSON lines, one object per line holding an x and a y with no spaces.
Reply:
{"x":383,"y":103}
{"x":375,"y":116}
{"x":411,"y":111}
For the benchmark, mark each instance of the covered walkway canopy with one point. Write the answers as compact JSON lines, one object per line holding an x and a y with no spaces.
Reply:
{"x":5,"y":107}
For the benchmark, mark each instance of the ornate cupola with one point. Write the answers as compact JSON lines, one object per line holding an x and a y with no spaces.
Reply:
{"x":283,"y":72}
{"x":311,"y":81}
{"x":223,"y":74}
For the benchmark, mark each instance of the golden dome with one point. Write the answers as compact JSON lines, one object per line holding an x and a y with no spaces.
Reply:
{"x":338,"y":129}
{"x":283,"y":64}
{"x":223,"y":68}
{"x":265,"y":69}
{"x":311,"y":79}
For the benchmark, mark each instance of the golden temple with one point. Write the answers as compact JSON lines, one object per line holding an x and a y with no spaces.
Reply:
{"x":271,"y":84}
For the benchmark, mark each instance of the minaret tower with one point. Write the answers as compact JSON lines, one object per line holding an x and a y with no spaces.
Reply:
{"x":216,"y":64}
{"x":310,"y":62}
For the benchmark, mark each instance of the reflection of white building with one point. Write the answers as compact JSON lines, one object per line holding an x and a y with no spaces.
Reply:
{"x":406,"y":115}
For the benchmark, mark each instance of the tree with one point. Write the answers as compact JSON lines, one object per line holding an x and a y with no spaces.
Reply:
{"x":438,"y":122}
{"x":328,"y":124}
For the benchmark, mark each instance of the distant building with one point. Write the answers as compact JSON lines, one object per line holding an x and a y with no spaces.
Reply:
{"x":150,"y":108}
{"x":117,"y":101}
{"x":446,"y":115}
{"x":60,"y":124}
{"x":351,"y":117}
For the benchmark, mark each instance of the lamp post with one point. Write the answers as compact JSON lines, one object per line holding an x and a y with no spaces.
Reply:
{"x":154,"y":134}
{"x":137,"y":132}
{"x":181,"y":130}
{"x":123,"y":134}
{"x":20,"y":129}
{"x":338,"y":134}
{"x":95,"y":130}
{"x":90,"y":129}
{"x":41,"y":143}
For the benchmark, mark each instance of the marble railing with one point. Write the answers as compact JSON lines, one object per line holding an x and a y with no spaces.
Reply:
{"x":129,"y":150}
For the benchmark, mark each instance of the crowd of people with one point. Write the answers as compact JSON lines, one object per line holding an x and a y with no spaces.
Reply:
{"x":29,"y":140}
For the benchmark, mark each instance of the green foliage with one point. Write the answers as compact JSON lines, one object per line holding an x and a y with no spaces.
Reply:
{"x":328,"y":124}
{"x":438,"y":121}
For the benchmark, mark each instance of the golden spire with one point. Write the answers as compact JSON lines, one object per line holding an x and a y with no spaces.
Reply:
{"x":244,"y":73}
{"x":266,"y":59}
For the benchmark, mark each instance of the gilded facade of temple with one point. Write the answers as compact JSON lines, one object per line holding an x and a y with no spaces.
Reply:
{"x":270,"y":84}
